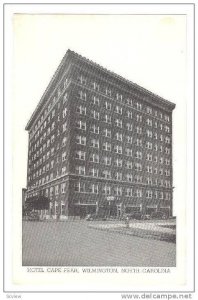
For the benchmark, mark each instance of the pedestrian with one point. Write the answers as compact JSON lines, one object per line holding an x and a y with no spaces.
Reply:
{"x":127,"y":222}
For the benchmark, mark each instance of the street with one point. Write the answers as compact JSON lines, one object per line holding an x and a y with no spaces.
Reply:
{"x":74,"y":243}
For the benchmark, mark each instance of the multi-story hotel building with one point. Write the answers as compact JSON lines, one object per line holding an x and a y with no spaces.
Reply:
{"x":99,"y":140}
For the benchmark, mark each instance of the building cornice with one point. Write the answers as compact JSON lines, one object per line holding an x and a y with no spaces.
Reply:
{"x":80,"y":59}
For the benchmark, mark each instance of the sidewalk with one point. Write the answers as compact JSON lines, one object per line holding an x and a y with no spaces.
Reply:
{"x":165,"y":231}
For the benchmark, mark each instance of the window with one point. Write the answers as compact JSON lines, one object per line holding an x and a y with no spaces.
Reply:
{"x":107,"y":119}
{"x":167,"y":150}
{"x":167,"y":119}
{"x":129,"y":139}
{"x":52,"y":138}
{"x":129,"y":102}
{"x":139,"y":118}
{"x":93,"y":172}
{"x":56,"y":190}
{"x":167,"y":196}
{"x":106,"y":190}
{"x":129,"y":165}
{"x":118,"y":123}
{"x":161,"y":195}
{"x":48,"y":143}
{"x":167,"y":140}
{"x":129,"y":126}
{"x":149,"y":110}
{"x":80,"y":155}
{"x":108,"y":105}
{"x":52,"y":164}
{"x":107,"y":133}
{"x":95,"y":114}
{"x":64,"y":127}
{"x":139,"y":130}
{"x":138,"y":179}
{"x":81,"y":140}
{"x":108,"y":92}
{"x":149,"y":194}
{"x":149,"y":169}
{"x":118,"y":136}
{"x":129,"y":114}
{"x":149,"y":145}
{"x":95,"y":86}
{"x":95,"y":129}
{"x":65,"y":98}
{"x":149,"y":181}
{"x":53,"y":114}
{"x":82,"y":95}
{"x":138,"y":193}
{"x":149,"y":122}
{"x":82,"y":79}
{"x":118,"y":191}
{"x":63,"y":170}
{"x":106,"y":174}
{"x":93,"y":188}
{"x":81,"y":125}
{"x":80,"y":170}
{"x":94,"y":143}
{"x":94,"y":158}
{"x":107,"y":160}
{"x":128,"y":152}
{"x":106,"y":146}
{"x":52,"y":151}
{"x":118,"y":176}
{"x":167,"y":129}
{"x":63,"y":156}
{"x":96,"y":100}
{"x":118,"y":149}
{"x":149,"y":157}
{"x":119,"y":97}
{"x":138,"y":167}
{"x":129,"y":177}
{"x":129,"y":192}
{"x":139,"y":106}
{"x":138,"y":155}
{"x":79,"y":187}
{"x":64,"y":112}
{"x":81,"y":110}
{"x":63,"y":186}
{"x":118,"y":162}
{"x":64,"y":141}
{"x":149,"y":134}
{"x":118,"y":109}
{"x":139,"y":143}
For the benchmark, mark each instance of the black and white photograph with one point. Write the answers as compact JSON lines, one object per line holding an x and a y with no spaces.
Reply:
{"x":101,"y":108}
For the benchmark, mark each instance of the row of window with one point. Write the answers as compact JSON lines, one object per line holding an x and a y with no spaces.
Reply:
{"x":108,"y":92}
{"x":94,"y":172}
{"x":96,"y":115}
{"x":118,"y":149}
{"x":119,"y":191}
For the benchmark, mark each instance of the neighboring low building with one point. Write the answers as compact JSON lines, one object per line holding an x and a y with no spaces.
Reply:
{"x":99,"y":142}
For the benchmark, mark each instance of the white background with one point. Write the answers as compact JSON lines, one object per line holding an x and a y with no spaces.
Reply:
{"x":154,"y":51}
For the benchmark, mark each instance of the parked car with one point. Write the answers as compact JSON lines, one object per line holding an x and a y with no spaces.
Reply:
{"x":95,"y":217}
{"x":159,"y":215}
{"x":130,"y":216}
{"x":146,"y":217}
{"x":33,"y":216}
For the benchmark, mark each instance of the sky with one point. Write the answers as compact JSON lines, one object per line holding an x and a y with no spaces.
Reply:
{"x":149,"y":50}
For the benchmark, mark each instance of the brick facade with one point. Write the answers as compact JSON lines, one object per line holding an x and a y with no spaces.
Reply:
{"x":98,"y":140}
